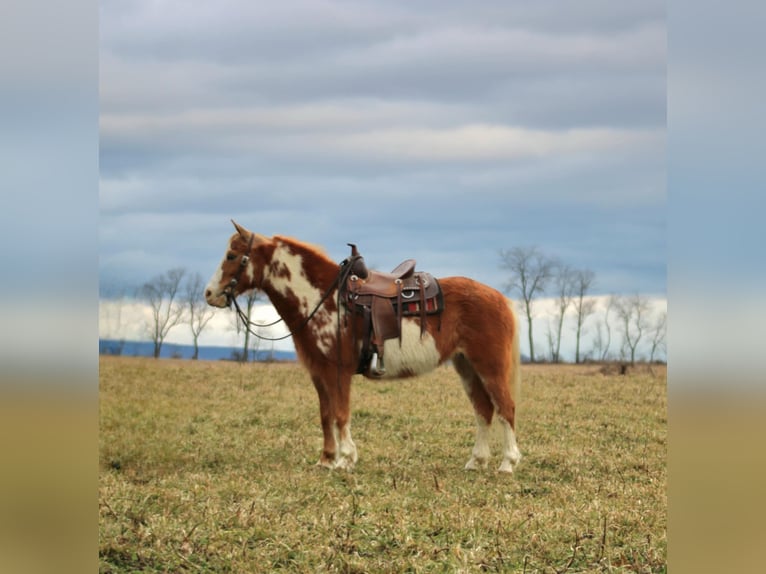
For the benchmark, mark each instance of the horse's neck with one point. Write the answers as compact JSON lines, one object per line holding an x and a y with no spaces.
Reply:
{"x":297,"y":278}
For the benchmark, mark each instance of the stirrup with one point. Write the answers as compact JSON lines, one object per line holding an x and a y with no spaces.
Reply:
{"x":376,"y":368}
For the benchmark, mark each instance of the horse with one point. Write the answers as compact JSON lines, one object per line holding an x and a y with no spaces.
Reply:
{"x":477,"y":332}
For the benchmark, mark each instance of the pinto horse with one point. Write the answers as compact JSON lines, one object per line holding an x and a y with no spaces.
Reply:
{"x":477,"y":331}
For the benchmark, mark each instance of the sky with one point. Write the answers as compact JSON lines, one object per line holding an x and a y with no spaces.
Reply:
{"x":440,"y":131}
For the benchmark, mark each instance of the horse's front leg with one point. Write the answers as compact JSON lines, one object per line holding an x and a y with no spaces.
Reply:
{"x":346,"y":455}
{"x":339,"y":450}
{"x":329,"y":448}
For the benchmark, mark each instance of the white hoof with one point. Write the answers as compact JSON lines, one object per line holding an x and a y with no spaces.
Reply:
{"x":476,"y":464}
{"x":345,"y":463}
{"x":510,"y":463}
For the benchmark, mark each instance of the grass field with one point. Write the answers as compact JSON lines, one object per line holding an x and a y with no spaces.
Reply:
{"x":209,"y":467}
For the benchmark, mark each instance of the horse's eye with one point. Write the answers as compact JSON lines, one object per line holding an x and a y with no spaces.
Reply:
{"x":231,"y":257}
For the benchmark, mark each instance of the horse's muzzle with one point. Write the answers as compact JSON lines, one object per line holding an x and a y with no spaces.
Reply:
{"x":220,"y":300}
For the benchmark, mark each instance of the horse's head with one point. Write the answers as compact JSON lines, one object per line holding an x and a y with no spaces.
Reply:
{"x":241,"y":269}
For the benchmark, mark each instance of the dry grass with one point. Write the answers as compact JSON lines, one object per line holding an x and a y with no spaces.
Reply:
{"x":209,"y":467}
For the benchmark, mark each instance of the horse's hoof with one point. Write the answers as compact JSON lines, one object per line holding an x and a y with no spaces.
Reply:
{"x":475,"y":464}
{"x":344,"y":463}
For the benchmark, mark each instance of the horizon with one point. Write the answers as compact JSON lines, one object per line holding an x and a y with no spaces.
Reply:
{"x":131,"y":317}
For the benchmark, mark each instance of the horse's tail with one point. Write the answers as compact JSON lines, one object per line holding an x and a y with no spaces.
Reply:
{"x":515,"y":373}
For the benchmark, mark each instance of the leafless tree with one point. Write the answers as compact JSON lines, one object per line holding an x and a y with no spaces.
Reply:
{"x":160,"y":293}
{"x":250,"y":298}
{"x":603,"y":338}
{"x":249,"y":344}
{"x":583,"y":282}
{"x":550,"y":340}
{"x":563,"y":281}
{"x":632,"y":312}
{"x":199,"y":312}
{"x":111,"y":312}
{"x":530,"y":272}
{"x":598,"y":343}
{"x":659,"y":332}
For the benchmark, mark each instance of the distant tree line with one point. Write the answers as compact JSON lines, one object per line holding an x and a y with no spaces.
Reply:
{"x":533,"y":274}
{"x":176,"y":297}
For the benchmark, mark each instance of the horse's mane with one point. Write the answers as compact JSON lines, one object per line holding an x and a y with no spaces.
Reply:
{"x":303,"y":247}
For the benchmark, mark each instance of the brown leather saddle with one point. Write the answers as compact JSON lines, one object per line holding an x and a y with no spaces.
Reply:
{"x":382,"y":299}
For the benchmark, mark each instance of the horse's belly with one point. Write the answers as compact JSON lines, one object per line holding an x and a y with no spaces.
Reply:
{"x":415,"y":356}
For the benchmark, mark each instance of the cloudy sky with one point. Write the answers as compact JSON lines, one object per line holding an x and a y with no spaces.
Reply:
{"x":443,"y":131}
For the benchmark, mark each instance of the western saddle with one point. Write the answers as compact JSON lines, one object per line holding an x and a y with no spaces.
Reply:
{"x":382,"y":299}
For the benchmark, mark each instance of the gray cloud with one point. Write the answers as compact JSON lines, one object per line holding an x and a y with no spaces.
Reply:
{"x":444,"y":131}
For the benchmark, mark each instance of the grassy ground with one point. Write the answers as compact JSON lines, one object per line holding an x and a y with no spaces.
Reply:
{"x":209,"y":467}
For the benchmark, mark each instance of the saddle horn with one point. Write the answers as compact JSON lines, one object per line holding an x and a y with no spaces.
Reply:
{"x":358,"y":267}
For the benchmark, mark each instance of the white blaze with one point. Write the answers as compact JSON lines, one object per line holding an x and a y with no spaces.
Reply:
{"x":214,"y":286}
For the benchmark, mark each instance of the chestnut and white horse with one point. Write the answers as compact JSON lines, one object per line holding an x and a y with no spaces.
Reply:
{"x":477,"y":331}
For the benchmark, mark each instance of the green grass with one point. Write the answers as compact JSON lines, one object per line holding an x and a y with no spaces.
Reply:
{"x":209,"y":467}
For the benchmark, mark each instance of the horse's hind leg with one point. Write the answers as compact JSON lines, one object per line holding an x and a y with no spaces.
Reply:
{"x":483,"y":409}
{"x":511,"y":452}
{"x":500,"y":389}
{"x":490,"y":392}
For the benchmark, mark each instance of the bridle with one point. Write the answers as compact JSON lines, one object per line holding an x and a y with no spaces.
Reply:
{"x":229,"y":290}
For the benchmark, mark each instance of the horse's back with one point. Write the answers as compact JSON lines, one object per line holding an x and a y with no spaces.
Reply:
{"x":471,"y":296}
{"x":476,"y":317}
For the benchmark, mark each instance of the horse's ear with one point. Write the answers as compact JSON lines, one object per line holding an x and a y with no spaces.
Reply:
{"x":246,"y":234}
{"x":241,"y":230}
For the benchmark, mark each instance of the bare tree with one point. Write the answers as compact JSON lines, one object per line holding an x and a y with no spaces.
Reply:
{"x":563,"y":280}
{"x":583,"y":282}
{"x":161,"y":294}
{"x":110,"y":311}
{"x":603,"y":336}
{"x":200,"y":312}
{"x":250,"y":298}
{"x":632,"y":312}
{"x":249,"y":344}
{"x":659,"y":332}
{"x":550,"y":340}
{"x":530,"y":271}
{"x":598,"y":343}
